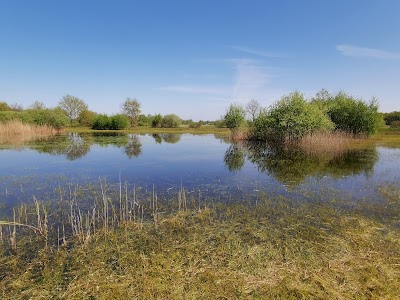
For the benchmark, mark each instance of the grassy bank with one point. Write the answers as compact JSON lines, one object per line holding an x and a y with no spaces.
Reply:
{"x":206,"y":129}
{"x":270,"y":250}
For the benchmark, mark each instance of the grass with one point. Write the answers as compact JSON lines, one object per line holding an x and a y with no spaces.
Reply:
{"x":205,"y":129}
{"x":17,"y":133}
{"x":132,"y":248}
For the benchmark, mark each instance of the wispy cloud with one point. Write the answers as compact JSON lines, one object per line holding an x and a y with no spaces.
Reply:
{"x":362,"y":52}
{"x":259,"y":52}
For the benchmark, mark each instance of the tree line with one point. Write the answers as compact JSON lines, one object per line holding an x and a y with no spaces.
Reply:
{"x":73,"y":111}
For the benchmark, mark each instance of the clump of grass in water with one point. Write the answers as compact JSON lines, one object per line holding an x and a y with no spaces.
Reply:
{"x":275,"y":250}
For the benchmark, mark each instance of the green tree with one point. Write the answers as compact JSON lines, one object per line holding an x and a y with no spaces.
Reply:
{"x":171,"y":121}
{"x":156,"y":121}
{"x":86,"y":118}
{"x":131,"y":108}
{"x":72,"y":106}
{"x":389,"y":117}
{"x":143,"y":120}
{"x":234,"y":117}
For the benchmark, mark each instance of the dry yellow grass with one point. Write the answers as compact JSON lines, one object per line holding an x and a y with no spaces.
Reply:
{"x":17,"y":133}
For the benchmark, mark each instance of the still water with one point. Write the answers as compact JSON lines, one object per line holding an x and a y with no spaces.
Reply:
{"x":208,"y":165}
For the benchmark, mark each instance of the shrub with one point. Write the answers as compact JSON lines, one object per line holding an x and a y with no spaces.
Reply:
{"x":395,"y":124}
{"x":119,"y":122}
{"x":291,"y":118}
{"x":195,"y":125}
{"x":55,"y":118}
{"x":353,"y":115}
{"x":235,"y":117}
{"x":86,"y":118}
{"x":171,"y":121}
{"x":101,"y":122}
{"x":156,"y":121}
{"x":392,"y":116}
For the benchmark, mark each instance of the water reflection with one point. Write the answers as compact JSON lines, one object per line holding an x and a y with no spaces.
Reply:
{"x":134,"y":147}
{"x":74,"y":146}
{"x":292,"y":166}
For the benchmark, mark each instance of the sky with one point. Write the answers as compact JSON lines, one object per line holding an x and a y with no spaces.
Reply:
{"x":194,"y":58}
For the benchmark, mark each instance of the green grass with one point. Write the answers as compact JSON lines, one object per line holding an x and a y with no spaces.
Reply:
{"x":205,"y":129}
{"x":275,"y":250}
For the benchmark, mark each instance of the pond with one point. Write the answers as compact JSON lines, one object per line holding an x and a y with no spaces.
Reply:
{"x":208,"y":166}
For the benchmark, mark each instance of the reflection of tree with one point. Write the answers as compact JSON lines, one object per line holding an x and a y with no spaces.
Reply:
{"x":171,"y":138}
{"x":234,"y":158}
{"x":291,"y":165}
{"x":77,"y":147}
{"x":157,"y":138}
{"x":134,"y":147}
{"x":72,"y":145}
{"x":106,"y":139}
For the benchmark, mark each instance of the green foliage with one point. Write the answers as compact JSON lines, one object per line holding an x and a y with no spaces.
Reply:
{"x":353,"y":115}
{"x":4,"y":106}
{"x":116,"y":122}
{"x":291,"y":118}
{"x":220,"y":123}
{"x":171,"y":121}
{"x":395,"y":124}
{"x":235,"y":117}
{"x":51,"y":117}
{"x":101,"y":122}
{"x":389,"y":117}
{"x":156,"y":121}
{"x":72,"y":106}
{"x":143,"y":120}
{"x":86,"y":118}
{"x":195,"y":125}
{"x":119,"y":122}
{"x":131,"y":108}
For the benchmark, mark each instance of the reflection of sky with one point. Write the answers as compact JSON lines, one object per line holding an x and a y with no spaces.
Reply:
{"x":196,"y":161}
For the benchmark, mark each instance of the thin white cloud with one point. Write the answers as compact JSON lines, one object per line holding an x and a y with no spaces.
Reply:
{"x":362,"y":52}
{"x":259,"y":52}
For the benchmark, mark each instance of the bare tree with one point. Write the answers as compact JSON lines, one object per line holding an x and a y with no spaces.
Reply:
{"x":37,"y":105}
{"x":72,"y":106}
{"x":253,"y":108}
{"x":131,"y":108}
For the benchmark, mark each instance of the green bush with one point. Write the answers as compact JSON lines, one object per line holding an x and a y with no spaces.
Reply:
{"x":392,"y":116}
{"x":235,"y":117}
{"x":156,"y":121}
{"x":353,"y":115}
{"x":171,"y":121}
{"x":119,"y":122}
{"x":101,"y":122}
{"x":291,"y":118}
{"x":395,"y":124}
{"x":116,"y":122}
{"x":86,"y":118}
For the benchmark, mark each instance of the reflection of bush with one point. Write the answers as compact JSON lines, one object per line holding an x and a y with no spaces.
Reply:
{"x":134,"y":147}
{"x":157,"y":138}
{"x":292,"y":165}
{"x":171,"y":138}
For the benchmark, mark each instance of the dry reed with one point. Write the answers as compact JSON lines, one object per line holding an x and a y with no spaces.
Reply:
{"x":333,"y":143}
{"x":15,"y":132}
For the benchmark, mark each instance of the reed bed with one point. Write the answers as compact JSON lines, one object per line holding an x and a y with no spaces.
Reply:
{"x":332,"y":143}
{"x":131,"y":246}
{"x":15,"y":132}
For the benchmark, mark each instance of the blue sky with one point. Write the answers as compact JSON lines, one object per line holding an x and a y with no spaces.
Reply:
{"x":194,"y":58}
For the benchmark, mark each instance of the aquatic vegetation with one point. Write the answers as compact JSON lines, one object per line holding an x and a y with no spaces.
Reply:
{"x":128,"y":246}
